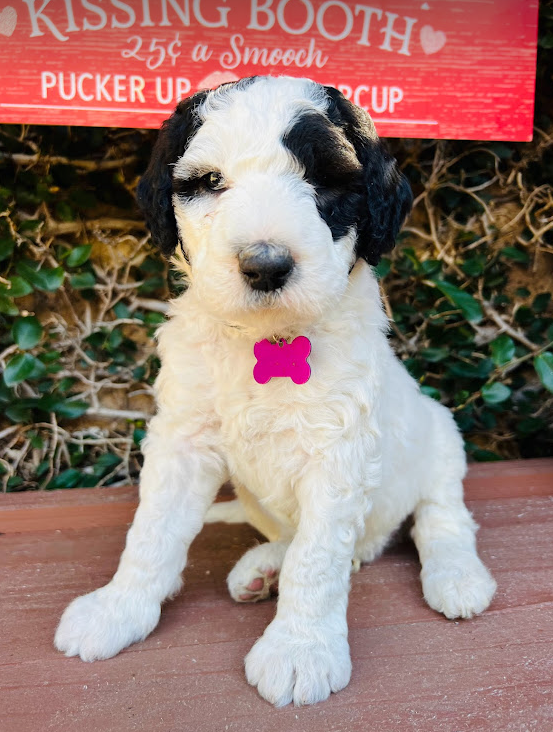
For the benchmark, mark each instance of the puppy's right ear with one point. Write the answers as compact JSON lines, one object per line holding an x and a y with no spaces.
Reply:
{"x":155,"y":190}
{"x":388,"y":195}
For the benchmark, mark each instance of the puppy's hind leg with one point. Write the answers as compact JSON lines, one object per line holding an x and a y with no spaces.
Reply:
{"x":227,"y":512}
{"x":255,"y":575}
{"x":454,"y":580}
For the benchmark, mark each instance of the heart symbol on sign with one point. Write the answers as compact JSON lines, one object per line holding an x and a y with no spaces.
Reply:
{"x":216,"y":78}
{"x":432,"y":41}
{"x":8,"y":21}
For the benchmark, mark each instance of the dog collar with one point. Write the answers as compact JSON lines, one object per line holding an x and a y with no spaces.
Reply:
{"x":277,"y":357}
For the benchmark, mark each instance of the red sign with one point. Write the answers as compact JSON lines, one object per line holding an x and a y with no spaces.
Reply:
{"x":461,"y":69}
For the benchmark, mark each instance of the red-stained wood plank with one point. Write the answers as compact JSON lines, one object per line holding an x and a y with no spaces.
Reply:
{"x":40,"y":511}
{"x":413,"y":669}
{"x":510,"y":479}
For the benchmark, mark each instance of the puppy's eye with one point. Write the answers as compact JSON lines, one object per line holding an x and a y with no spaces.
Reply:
{"x":214,"y":181}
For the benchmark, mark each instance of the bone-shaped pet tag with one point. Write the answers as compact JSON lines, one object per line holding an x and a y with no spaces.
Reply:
{"x":282,"y":359}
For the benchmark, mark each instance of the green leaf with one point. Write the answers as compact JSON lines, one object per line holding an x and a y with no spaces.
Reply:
{"x":36,"y":440}
{"x":47,"y":279}
{"x":122,"y":311}
{"x":485,"y":456}
{"x":154,"y":318}
{"x":115,"y":339}
{"x":541,"y":302}
{"x":105,"y":464}
{"x":431,"y":266}
{"x":411,"y":255}
{"x":107,"y":460}
{"x":69,"y":409}
{"x":79,"y":255}
{"x":6,"y":248}
{"x":546,"y":41}
{"x":138,"y":435}
{"x":524,"y":316}
{"x":435,"y":354}
{"x":6,"y":395}
{"x":66,"y":479}
{"x":27,"y":332}
{"x":19,"y":287}
{"x":82,"y":280}
{"x":383,"y":268}
{"x":522,"y":292}
{"x":64,"y":211}
{"x":14,"y":483}
{"x":431,"y":391}
{"x":50,"y":356}
{"x":474,"y":266}
{"x":503,"y":349}
{"x":495,"y":393}
{"x":63,"y":385}
{"x":30,"y":224}
{"x":18,"y":413}
{"x":139,"y":373}
{"x":463,"y":300}
{"x":479,"y":370}
{"x":529,"y":426}
{"x":22,"y":366}
{"x":543,"y":363}
{"x":7,"y":305}
{"x":42,"y":468}
{"x":517,"y":255}
{"x":151,"y":284}
{"x":152,"y":264}
{"x":502,"y":150}
{"x":63,"y":407}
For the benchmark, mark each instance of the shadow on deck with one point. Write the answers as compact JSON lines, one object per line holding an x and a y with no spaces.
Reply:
{"x":412,"y":668}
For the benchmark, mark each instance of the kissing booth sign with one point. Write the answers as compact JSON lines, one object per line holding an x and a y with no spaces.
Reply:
{"x":462,"y":69}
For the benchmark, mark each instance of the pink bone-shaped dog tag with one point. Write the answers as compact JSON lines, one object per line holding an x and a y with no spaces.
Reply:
{"x":282,"y":359}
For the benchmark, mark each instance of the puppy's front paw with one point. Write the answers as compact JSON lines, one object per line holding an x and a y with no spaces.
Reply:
{"x":99,"y":625}
{"x":303,"y":667}
{"x":458,"y":589}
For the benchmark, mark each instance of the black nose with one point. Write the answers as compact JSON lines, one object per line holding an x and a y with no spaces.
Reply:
{"x":266,"y":267}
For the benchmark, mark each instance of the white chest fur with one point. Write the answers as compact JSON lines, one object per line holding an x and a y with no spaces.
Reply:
{"x":270,"y":434}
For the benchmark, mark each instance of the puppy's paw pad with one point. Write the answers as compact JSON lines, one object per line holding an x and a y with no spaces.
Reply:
{"x":255,"y":576}
{"x":99,"y":625}
{"x":461,"y":590}
{"x":264,"y":584}
{"x":302,"y":668}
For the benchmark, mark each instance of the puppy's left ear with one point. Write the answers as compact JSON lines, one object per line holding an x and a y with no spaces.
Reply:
{"x":155,"y":190}
{"x":388,"y":194}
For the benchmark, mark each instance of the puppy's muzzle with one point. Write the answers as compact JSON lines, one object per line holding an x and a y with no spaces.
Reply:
{"x":265,"y":266}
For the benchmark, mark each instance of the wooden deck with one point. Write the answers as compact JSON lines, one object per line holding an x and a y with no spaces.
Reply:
{"x":412,"y":668}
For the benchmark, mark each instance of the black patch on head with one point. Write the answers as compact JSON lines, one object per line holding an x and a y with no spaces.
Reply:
{"x":331,"y":167}
{"x":369,"y":192}
{"x":155,"y":189}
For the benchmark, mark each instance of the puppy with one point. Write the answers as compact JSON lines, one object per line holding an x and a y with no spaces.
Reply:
{"x":279,"y":196}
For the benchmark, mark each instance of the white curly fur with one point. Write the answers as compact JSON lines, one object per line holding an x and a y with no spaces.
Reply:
{"x":328,"y":469}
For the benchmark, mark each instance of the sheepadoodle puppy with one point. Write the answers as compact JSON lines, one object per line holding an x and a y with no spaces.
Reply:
{"x":277,"y":374}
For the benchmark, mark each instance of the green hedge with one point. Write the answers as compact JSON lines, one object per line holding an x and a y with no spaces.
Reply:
{"x":468,"y":287}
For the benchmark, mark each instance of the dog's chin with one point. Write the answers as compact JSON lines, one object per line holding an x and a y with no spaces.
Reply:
{"x":271,"y":300}
{"x":265,"y":314}
{"x":290,"y":310}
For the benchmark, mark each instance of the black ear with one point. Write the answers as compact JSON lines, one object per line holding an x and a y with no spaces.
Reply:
{"x":155,"y":190}
{"x":389,"y":197}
